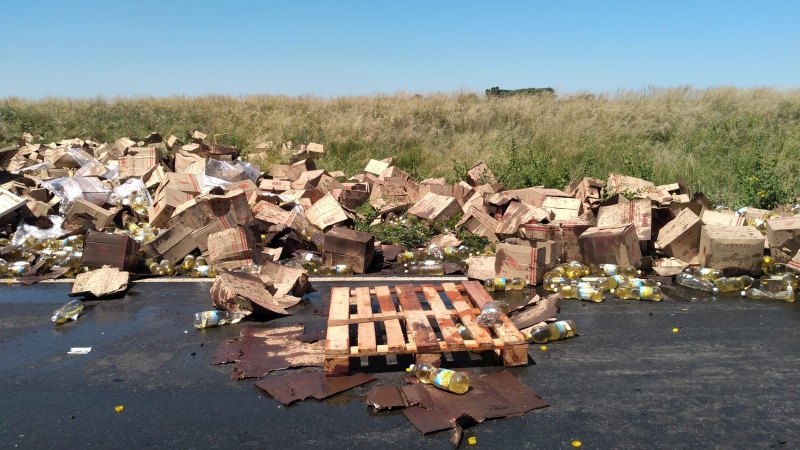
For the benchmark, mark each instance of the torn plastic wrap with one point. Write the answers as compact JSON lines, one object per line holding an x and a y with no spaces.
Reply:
{"x":36,"y":168}
{"x":95,"y":168}
{"x":71,"y":158}
{"x":70,"y":189}
{"x":24,"y":231}
{"x":231,"y":171}
{"x":130,"y":189}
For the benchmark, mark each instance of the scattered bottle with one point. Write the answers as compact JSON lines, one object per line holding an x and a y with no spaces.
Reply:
{"x":689,"y":280}
{"x":733,"y":283}
{"x":587,"y":293}
{"x":339,"y":269}
{"x":464,"y":331}
{"x":609,"y":270}
{"x":490,"y":315}
{"x":609,"y":283}
{"x":429,"y":267}
{"x":70,"y":311}
{"x":580,"y":269}
{"x":779,"y":269}
{"x":3,"y":266}
{"x":504,"y":284}
{"x":790,"y":281}
{"x":208,"y":319}
{"x":767,"y":263}
{"x":555,"y":331}
{"x":551,"y":283}
{"x":631,"y":292}
{"x":444,"y":379}
{"x":758,"y":294}
{"x":204,"y":271}
{"x":707,"y":273}
{"x":188,"y":262}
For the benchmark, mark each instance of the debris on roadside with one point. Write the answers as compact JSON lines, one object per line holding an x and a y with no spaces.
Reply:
{"x":104,"y":282}
{"x":297,"y":386}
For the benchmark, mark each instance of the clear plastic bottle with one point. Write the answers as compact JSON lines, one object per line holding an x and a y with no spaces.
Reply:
{"x":188,"y":262}
{"x":436,"y":253}
{"x":609,"y":270}
{"x":504,"y":284}
{"x":340,"y":269}
{"x":3,"y":266}
{"x":587,"y":293}
{"x":70,"y":311}
{"x":758,"y":294}
{"x":580,"y":269}
{"x":551,"y":283}
{"x":733,"y":283}
{"x":444,"y":379}
{"x":651,"y":293}
{"x":779,"y":269}
{"x":767,"y":263}
{"x":464,"y":331}
{"x":708,"y":274}
{"x":490,"y":315}
{"x":555,"y":331}
{"x":689,"y":280}
{"x":208,"y":319}
{"x":434,"y":268}
{"x":609,"y":283}
{"x":790,"y":281}
{"x":404,"y":257}
{"x":203,"y":271}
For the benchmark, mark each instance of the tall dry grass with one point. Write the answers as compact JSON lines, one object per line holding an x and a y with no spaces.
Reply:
{"x":709,"y":137}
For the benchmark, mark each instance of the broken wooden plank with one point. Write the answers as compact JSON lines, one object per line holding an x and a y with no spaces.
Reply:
{"x":418,"y":328}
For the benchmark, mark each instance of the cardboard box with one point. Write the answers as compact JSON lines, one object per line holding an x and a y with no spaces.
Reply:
{"x":138,"y":161}
{"x":782,"y":236}
{"x":352,"y":199}
{"x":200,"y":236}
{"x":480,"y":174}
{"x":637,"y":212}
{"x":610,"y":245}
{"x":617,"y":184}
{"x":275,"y":185}
{"x":680,"y":238}
{"x":233,"y":248}
{"x":562,"y":208}
{"x":87,"y":188}
{"x":586,"y":189}
{"x":519,"y":213}
{"x":528,"y":262}
{"x":308,"y":179}
{"x":736,"y":250}
{"x":100,"y":283}
{"x":376,"y":167}
{"x":535,"y":195}
{"x":244,"y":293}
{"x":326,"y":212}
{"x":385,"y":198}
{"x":479,"y":223}
{"x":187,"y":162}
{"x":565,"y":234}
{"x":435,"y":207}
{"x":247,"y":186}
{"x":351,"y":247}
{"x":481,"y":267}
{"x":185,"y":182}
{"x":82,"y":211}
{"x":725,"y":218}
{"x":457,"y":191}
{"x":9,"y":202}
{"x":173,"y":244}
{"x":115,"y":250}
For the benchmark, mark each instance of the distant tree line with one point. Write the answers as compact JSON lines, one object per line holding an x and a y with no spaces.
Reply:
{"x":497,"y":92}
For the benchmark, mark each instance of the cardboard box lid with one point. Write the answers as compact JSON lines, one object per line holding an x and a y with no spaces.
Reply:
{"x":326,"y":212}
{"x":435,"y":207}
{"x":638,"y":212}
{"x":519,"y":213}
{"x":376,"y":167}
{"x":617,"y":184}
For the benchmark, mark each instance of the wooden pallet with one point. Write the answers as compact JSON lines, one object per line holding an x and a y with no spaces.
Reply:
{"x":411,"y":326}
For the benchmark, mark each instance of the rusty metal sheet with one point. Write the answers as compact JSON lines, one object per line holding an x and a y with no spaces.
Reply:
{"x":259,"y":351}
{"x":292,"y":387}
{"x":544,"y":309}
{"x":53,"y":274}
{"x":390,"y":397}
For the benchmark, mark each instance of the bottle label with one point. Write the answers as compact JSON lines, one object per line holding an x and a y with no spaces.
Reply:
{"x":443,"y":378}
{"x":563,"y":328}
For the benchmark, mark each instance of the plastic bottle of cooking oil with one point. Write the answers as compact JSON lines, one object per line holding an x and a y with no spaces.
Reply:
{"x":551,"y":283}
{"x":425,"y":268}
{"x":204,"y":271}
{"x":767,"y":263}
{"x":188,"y":262}
{"x":790,"y":281}
{"x":707,"y":273}
{"x":339,"y":269}
{"x":580,"y":269}
{"x":627,"y":291}
{"x":70,"y":311}
{"x":464,"y":331}
{"x":689,"y":280}
{"x":779,"y":269}
{"x":208,"y":319}
{"x":608,"y":270}
{"x":490,"y":315}
{"x":588,"y":293}
{"x":758,"y":294}
{"x":552,"y":332}
{"x":504,"y":284}
{"x":3,"y":266}
{"x":733,"y":283}
{"x":444,"y":379}
{"x":609,"y":283}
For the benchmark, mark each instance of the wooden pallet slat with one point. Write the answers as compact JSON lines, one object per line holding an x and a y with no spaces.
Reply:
{"x":394,"y":333}
{"x":468,"y":313}
{"x":338,"y":337}
{"x":418,"y":327}
{"x":366,"y":330}
{"x":507,"y":331}
{"x":447,"y":327}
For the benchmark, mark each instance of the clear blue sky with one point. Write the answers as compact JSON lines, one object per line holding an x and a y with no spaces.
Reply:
{"x":337,"y":47}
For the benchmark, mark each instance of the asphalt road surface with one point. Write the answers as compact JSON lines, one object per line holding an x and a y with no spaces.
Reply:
{"x":727,"y":379}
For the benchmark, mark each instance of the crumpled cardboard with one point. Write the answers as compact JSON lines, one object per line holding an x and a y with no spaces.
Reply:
{"x":100,"y":283}
{"x":244,"y":293}
{"x":680,"y":238}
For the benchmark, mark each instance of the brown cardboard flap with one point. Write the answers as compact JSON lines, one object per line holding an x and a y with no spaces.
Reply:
{"x":435,"y":207}
{"x":326,"y":212}
{"x":638,"y":212}
{"x":680,"y":238}
{"x":100,"y":283}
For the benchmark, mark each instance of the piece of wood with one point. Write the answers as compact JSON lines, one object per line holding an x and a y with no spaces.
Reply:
{"x":338,"y":338}
{"x":418,"y":328}
{"x":394,"y":333}
{"x":507,"y":332}
{"x":446,"y":325}
{"x":468,"y":313}
{"x":366,"y":330}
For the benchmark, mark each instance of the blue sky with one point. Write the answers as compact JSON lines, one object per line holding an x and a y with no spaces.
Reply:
{"x":337,"y":48}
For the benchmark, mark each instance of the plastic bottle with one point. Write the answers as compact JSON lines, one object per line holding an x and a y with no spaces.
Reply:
{"x":767,"y":263}
{"x":490,"y":315}
{"x":551,"y":283}
{"x":464,"y":331}
{"x":340,"y":269}
{"x":609,"y":283}
{"x":552,"y":332}
{"x":708,"y":274}
{"x":3,"y":266}
{"x":689,"y":280}
{"x":504,"y":284}
{"x":188,"y":262}
{"x":587,"y":293}
{"x":404,"y":257}
{"x":70,"y":311}
{"x":652,"y":293}
{"x":581,"y":269}
{"x":609,"y":270}
{"x":434,"y":268}
{"x":434,"y":252}
{"x":203,"y":271}
{"x":208,"y":319}
{"x":790,"y":281}
{"x":733,"y":283}
{"x":779,"y":269}
{"x":444,"y":379}
{"x":758,"y":294}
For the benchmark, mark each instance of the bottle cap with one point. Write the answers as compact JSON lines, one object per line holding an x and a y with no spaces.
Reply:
{"x":410,"y":368}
